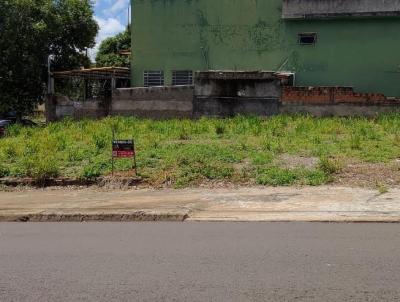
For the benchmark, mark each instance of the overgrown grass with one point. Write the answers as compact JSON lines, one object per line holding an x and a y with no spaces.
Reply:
{"x":186,"y":152}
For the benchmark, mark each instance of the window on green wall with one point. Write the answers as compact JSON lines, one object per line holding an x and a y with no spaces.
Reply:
{"x":153,"y":78}
{"x":182,"y":77}
{"x":307,"y":38}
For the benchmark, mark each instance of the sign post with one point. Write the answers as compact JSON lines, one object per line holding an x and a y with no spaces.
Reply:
{"x":123,"y":149}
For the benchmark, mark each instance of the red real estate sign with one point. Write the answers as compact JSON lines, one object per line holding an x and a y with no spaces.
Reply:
{"x":123,"y":148}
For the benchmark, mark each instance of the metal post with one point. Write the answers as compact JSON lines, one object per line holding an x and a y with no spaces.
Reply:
{"x":134,"y":157}
{"x":113,"y":83}
{"x":85,"y":84}
{"x":112,"y":152}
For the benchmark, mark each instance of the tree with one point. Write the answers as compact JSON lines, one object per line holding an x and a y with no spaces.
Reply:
{"x":109,"y":53}
{"x":31,"y":30}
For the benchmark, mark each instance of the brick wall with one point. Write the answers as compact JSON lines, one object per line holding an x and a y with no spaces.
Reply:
{"x":332,"y":95}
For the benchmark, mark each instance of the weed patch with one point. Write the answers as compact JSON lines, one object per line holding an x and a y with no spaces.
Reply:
{"x":185,"y":152}
{"x":330,"y":165}
{"x":276,"y":176}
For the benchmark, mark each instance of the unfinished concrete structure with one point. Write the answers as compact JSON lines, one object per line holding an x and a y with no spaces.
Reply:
{"x":323,"y":57}
{"x":84,"y":93}
{"x":189,"y":102}
{"x":227,"y":93}
{"x":323,"y":42}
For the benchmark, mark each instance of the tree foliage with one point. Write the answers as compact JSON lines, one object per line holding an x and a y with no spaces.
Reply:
{"x":109,"y":53}
{"x":30,"y":31}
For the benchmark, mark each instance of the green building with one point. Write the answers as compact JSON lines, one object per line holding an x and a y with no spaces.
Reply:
{"x":323,"y":42}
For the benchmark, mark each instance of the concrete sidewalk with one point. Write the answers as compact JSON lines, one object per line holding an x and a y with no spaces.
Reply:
{"x":325,"y":203}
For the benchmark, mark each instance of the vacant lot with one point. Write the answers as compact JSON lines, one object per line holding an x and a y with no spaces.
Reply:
{"x":282,"y":150}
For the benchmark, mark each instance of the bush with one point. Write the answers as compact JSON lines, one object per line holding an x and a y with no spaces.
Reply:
{"x":262,"y":158}
{"x":355,"y":141}
{"x":41,"y":169}
{"x":219,"y":130}
{"x":4,"y":171}
{"x":329,"y":165}
{"x":315,"y":178}
{"x":94,"y":170}
{"x":277,"y":177}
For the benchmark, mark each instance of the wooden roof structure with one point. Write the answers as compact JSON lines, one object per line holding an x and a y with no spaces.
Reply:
{"x":95,"y":73}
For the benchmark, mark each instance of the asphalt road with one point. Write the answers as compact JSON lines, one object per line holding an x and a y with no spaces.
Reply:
{"x":199,"y":262}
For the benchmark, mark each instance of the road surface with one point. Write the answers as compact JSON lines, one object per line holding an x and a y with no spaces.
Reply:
{"x":199,"y":262}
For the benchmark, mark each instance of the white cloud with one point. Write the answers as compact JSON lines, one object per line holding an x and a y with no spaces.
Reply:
{"x":117,"y":7}
{"x":111,"y":15}
{"x":108,"y":27}
{"x":98,"y":3}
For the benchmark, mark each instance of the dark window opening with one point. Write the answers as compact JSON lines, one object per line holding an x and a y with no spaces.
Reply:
{"x":153,"y":78}
{"x":182,"y":77}
{"x":307,"y":38}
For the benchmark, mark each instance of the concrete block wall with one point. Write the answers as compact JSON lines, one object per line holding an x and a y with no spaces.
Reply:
{"x":60,"y":107}
{"x":223,"y":99}
{"x":154,"y":102}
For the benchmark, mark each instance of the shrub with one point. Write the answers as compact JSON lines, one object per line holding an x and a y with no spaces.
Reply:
{"x":284,"y":177}
{"x":277,"y":177}
{"x":100,"y":142}
{"x":382,"y":188}
{"x":315,"y":177}
{"x":4,"y":171}
{"x":91,"y":171}
{"x":329,"y":165}
{"x":219,"y":130}
{"x":262,"y":158}
{"x":41,"y":168}
{"x":184,"y":135}
{"x":355,"y":142}
{"x":95,"y":169}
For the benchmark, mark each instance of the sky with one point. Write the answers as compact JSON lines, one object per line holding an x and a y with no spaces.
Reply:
{"x":112,"y":17}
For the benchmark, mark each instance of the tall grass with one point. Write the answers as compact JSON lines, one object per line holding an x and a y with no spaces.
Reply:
{"x":184,"y":152}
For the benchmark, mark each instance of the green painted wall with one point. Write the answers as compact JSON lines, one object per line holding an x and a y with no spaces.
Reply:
{"x":250,"y":35}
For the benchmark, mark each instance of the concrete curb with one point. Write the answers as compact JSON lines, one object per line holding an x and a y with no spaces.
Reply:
{"x":311,"y":220}
{"x":142,"y":216}
{"x":319,"y":204}
{"x":132,"y":217}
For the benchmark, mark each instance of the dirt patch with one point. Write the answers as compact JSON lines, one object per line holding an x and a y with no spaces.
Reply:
{"x":369,"y":174}
{"x":120,"y":182}
{"x":290,"y":161}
